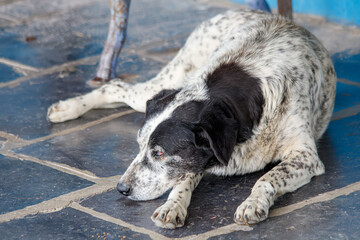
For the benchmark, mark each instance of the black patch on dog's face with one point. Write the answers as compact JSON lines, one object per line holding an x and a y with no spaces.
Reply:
{"x":184,"y":151}
{"x":159,"y":102}
{"x":201,"y":134}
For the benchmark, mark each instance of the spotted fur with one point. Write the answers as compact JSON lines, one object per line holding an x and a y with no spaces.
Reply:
{"x":247,"y":89}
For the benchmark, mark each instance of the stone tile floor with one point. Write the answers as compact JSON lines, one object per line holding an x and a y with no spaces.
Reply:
{"x":57,"y":181}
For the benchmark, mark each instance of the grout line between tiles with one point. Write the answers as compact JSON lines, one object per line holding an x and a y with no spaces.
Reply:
{"x":324,"y":197}
{"x":218,"y":231}
{"x":347,"y":112}
{"x":327,"y":196}
{"x":348,"y":82}
{"x":11,"y":137}
{"x":106,"y":217}
{"x":140,"y":50}
{"x":106,"y":184}
{"x":15,"y":64}
{"x":63,"y":201}
{"x":58,"y":166}
{"x":11,"y":19}
{"x":84,"y":126}
{"x":50,"y":70}
{"x":38,"y":72}
{"x":11,"y":145}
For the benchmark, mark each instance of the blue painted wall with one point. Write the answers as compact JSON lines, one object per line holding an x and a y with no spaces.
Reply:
{"x":342,"y":11}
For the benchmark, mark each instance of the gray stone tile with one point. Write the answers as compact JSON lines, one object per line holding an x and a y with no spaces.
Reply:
{"x":14,"y":47}
{"x":7,"y":73}
{"x":25,"y":9}
{"x":106,"y":149}
{"x":59,"y":35}
{"x":24,"y":183}
{"x":24,"y":107}
{"x":336,"y":219}
{"x":66,"y":224}
{"x":156,"y":20}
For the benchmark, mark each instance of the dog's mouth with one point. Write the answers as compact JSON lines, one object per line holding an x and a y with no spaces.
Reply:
{"x":144,"y":192}
{"x":142,"y":195}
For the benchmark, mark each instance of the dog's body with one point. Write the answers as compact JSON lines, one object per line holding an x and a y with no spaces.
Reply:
{"x":247,"y":89}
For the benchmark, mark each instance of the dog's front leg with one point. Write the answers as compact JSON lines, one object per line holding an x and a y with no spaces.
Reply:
{"x":300,"y":162}
{"x":173,"y":213}
{"x":113,"y":94}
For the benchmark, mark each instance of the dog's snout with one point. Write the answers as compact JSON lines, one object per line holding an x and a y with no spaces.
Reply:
{"x":123,"y":188}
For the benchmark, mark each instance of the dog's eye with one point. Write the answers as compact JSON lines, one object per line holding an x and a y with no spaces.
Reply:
{"x":158,"y":155}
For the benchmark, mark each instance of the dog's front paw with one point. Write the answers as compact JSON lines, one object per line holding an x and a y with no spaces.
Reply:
{"x":65,"y":110}
{"x":252,"y":211}
{"x":170,"y":215}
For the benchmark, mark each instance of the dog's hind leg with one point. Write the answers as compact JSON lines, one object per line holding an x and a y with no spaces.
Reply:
{"x":173,"y":213}
{"x":300,"y":162}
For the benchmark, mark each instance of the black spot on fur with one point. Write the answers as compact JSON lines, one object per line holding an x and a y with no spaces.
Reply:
{"x":159,"y":102}
{"x":178,"y":140}
{"x":189,"y":112}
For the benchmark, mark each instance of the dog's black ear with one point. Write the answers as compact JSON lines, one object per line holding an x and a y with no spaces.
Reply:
{"x":159,"y":101}
{"x":218,"y":131}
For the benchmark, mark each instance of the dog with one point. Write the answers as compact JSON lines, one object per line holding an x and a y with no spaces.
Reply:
{"x":247,"y":89}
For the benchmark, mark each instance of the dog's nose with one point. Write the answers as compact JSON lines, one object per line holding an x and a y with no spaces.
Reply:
{"x":123,"y":188}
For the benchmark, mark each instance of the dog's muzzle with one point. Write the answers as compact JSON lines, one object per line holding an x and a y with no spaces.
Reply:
{"x":123,"y":188}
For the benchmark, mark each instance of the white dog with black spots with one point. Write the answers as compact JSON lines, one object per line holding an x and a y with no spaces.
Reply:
{"x":247,"y":89}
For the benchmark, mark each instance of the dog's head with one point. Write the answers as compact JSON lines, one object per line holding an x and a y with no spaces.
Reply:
{"x":191,"y":130}
{"x":177,"y":138}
